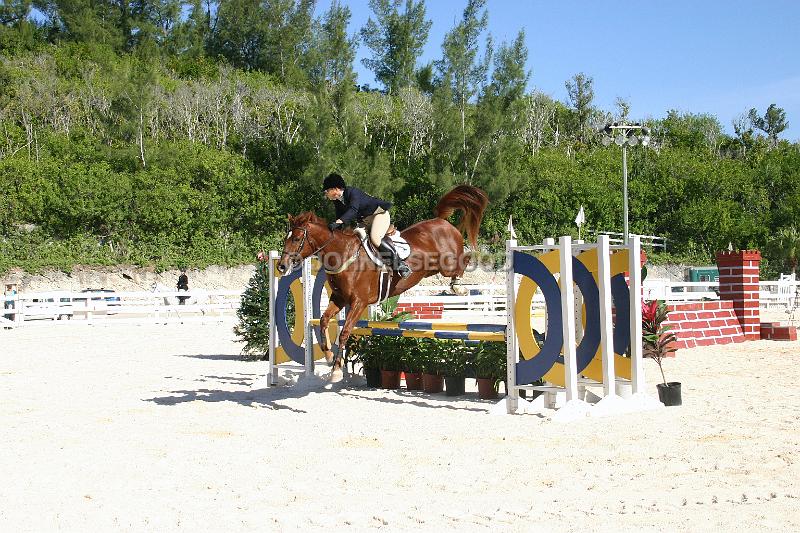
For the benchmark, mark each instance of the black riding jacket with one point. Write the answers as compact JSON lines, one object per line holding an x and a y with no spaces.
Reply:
{"x":356,"y":204}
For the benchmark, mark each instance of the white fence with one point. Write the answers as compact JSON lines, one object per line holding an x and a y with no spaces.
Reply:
{"x":63,"y":307}
{"x":485,"y":301}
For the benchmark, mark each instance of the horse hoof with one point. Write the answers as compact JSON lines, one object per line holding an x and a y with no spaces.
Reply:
{"x":336,"y":375}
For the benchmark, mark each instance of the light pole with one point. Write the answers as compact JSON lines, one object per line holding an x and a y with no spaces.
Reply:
{"x":623,"y":135}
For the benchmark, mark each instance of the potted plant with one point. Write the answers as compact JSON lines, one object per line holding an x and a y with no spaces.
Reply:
{"x":657,"y":340}
{"x":454,"y":356}
{"x":490,"y":368}
{"x":432,"y":380}
{"x":413,"y":362}
{"x":390,"y":357}
{"x":362,"y":350}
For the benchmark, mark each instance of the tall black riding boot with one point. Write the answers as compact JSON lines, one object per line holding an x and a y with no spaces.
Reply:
{"x":392,"y":260}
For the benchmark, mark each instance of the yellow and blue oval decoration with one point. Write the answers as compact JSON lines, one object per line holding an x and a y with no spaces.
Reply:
{"x":291,"y":344}
{"x":546,"y":361}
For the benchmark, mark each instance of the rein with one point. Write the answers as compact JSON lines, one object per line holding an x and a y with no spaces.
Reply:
{"x":315,"y":252}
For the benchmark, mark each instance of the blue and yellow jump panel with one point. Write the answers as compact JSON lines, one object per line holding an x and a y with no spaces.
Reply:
{"x":609,"y":346}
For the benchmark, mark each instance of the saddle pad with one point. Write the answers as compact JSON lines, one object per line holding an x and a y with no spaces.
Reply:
{"x":400,"y":244}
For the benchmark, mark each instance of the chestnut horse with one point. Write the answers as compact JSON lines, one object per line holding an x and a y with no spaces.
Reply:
{"x":437,"y":247}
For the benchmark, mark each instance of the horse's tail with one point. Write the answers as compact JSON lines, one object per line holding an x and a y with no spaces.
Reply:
{"x":472,"y":201}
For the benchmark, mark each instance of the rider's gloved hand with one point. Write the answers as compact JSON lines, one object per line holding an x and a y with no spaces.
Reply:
{"x":335,"y":225}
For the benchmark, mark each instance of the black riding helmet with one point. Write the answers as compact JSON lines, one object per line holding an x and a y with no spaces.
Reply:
{"x":333,"y":181}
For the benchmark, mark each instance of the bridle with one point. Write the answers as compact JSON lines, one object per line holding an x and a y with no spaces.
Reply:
{"x":303,"y":243}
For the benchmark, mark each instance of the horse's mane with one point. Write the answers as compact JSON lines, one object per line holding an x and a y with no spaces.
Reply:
{"x":308,"y":217}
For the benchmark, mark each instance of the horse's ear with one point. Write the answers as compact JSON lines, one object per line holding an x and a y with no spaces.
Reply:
{"x":290,"y":218}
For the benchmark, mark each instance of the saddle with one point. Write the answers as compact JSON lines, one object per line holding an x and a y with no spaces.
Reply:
{"x":400,"y":244}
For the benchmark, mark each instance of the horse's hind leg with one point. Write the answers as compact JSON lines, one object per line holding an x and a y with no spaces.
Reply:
{"x":458,"y":272}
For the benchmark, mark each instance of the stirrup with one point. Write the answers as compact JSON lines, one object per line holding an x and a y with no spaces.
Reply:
{"x":403,"y":270}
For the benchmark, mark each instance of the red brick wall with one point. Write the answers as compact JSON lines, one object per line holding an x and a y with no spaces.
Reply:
{"x":738,"y":283}
{"x":422,"y":311}
{"x":774,"y":331}
{"x":704,"y":323}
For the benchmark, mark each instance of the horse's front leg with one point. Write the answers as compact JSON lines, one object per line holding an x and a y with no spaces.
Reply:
{"x":325,"y":342}
{"x":356,"y":308}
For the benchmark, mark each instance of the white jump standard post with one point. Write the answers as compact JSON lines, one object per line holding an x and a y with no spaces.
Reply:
{"x":635,"y":272}
{"x":272,"y":374}
{"x":308,"y":281}
{"x":512,"y":393}
{"x":606,"y":324}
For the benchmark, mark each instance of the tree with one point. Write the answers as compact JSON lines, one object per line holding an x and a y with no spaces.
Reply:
{"x":103,"y":21}
{"x":272,"y":37}
{"x":581,"y":95}
{"x":460,"y":67}
{"x":191,"y":36}
{"x":497,"y":120}
{"x":253,"y":315}
{"x":785,"y":247}
{"x":772,"y":123}
{"x":14,"y":11}
{"x":510,"y":75}
{"x":396,"y":40}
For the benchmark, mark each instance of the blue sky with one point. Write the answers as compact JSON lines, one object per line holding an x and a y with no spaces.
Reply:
{"x":712,"y":56}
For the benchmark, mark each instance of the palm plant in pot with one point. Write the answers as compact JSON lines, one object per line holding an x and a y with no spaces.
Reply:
{"x":391,"y":360}
{"x":363,"y":351}
{"x":454,"y":355}
{"x":657,"y":340}
{"x":432,"y":380}
{"x":490,"y":368}
{"x":413,"y":362}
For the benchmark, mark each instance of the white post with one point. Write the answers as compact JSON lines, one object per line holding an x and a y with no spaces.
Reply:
{"x":272,"y":287}
{"x":606,"y":326}
{"x":635,"y":286}
{"x":308,"y":288}
{"x":568,"y":318}
{"x":512,"y":393}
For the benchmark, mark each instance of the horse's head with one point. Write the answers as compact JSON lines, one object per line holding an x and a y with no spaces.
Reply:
{"x":303,"y":239}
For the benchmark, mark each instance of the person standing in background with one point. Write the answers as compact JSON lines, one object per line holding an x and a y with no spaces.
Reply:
{"x":9,"y":299}
{"x":183,"y":285}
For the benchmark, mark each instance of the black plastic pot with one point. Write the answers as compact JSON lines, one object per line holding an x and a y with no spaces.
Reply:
{"x":454,"y":386}
{"x":373,"y":376}
{"x":669,"y":394}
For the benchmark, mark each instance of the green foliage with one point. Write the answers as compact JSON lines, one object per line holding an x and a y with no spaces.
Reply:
{"x":657,"y":338}
{"x":396,"y":40}
{"x":138,"y":133}
{"x":253,"y":315}
{"x":454,"y":356}
{"x":490,"y":361}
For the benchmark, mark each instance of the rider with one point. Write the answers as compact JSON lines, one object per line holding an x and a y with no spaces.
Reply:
{"x":352,"y":203}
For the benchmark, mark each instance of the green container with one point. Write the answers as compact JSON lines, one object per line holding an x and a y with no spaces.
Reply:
{"x":703,"y":274}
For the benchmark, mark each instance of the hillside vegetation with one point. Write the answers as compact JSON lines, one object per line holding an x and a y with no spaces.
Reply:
{"x":170,"y":133}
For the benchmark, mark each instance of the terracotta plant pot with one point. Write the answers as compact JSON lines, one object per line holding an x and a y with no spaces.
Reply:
{"x":413,"y":380}
{"x":486,"y":390}
{"x":432,"y":383}
{"x":390,"y":379}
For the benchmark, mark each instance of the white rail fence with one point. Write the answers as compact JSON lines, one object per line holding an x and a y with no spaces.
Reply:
{"x":64,"y":307}
{"x":484,"y":301}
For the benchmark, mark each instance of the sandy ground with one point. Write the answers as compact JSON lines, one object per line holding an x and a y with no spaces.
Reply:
{"x":157,"y":428}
